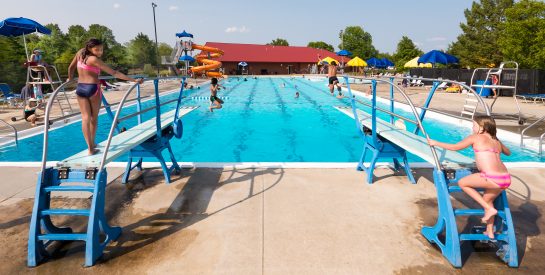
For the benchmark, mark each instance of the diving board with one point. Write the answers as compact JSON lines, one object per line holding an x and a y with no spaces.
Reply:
{"x":414,"y":144}
{"x":123,"y":142}
{"x":145,"y":139}
{"x":384,"y":140}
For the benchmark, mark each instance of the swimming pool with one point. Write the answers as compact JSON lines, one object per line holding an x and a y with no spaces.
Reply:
{"x":261,"y":121}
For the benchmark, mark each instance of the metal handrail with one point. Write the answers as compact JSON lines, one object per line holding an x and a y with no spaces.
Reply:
{"x":540,"y":142}
{"x":413,"y":108}
{"x":116,"y":118}
{"x":46,"y":122}
{"x":14,"y":131}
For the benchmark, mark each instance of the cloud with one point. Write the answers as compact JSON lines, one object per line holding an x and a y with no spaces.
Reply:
{"x":237,"y":29}
{"x":436,"y":39}
{"x":117,"y":5}
{"x":173,"y":8}
{"x":418,"y":44}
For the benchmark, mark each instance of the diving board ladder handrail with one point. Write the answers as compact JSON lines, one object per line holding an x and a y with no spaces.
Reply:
{"x":46,"y":122}
{"x":419,"y":117}
{"x":114,"y":123}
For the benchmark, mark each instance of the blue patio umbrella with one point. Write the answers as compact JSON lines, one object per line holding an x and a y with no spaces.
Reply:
{"x":184,"y":34}
{"x":344,"y":53}
{"x":375,"y":62}
{"x":387,"y":62}
{"x":16,"y":26}
{"x":186,"y":58}
{"x":436,"y":56}
{"x":243,"y":64}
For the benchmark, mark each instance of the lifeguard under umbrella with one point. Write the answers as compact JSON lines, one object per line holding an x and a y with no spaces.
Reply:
{"x":17,"y":26}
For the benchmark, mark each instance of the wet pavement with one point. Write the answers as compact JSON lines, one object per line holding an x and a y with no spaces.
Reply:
{"x":275,"y":221}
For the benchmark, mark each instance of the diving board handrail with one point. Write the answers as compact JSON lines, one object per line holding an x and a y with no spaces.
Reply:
{"x":418,"y":117}
{"x":114,"y":123}
{"x":120,"y":105}
{"x":46,"y":121}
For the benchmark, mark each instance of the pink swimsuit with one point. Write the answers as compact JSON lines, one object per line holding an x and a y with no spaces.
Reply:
{"x":88,"y":89}
{"x":503,"y":180}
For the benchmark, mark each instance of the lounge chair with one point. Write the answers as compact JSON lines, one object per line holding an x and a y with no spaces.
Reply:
{"x":6,"y":96}
{"x":442,"y":86}
{"x":532,"y":97}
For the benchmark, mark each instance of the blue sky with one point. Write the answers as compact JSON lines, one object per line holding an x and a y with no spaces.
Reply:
{"x":432,"y":24}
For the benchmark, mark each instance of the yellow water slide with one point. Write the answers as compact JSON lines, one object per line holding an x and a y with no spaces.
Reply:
{"x":205,"y":58}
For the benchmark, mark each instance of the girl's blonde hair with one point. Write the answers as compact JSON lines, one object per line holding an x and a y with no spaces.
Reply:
{"x":487,"y":124}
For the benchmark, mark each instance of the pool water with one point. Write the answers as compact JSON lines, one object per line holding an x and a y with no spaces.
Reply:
{"x":261,"y":121}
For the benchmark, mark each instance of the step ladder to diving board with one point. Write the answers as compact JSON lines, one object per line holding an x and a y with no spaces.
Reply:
{"x":146,"y":139}
{"x":385,"y":140}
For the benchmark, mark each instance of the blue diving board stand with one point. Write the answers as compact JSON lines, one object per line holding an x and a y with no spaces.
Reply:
{"x":385,"y":140}
{"x":148,"y":138}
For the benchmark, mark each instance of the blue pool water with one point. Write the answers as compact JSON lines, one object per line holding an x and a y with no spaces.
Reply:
{"x":261,"y":121}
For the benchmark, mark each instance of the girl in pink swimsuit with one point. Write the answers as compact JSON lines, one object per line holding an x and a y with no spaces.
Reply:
{"x":88,"y":63}
{"x":493,"y":176}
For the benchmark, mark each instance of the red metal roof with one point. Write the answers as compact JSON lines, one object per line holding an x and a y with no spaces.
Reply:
{"x":274,"y":54}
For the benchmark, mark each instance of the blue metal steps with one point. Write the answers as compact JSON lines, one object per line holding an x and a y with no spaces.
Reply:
{"x":70,"y":188}
{"x":481,"y":237}
{"x":63,"y":237}
{"x":475,"y":212}
{"x":70,"y":212}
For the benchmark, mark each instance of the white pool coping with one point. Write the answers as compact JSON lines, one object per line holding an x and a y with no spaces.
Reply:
{"x":264,"y":165}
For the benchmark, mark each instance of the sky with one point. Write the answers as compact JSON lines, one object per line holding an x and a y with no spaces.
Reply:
{"x":431,"y":24}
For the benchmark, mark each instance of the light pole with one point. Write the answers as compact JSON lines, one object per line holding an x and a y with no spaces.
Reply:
{"x":153,"y":5}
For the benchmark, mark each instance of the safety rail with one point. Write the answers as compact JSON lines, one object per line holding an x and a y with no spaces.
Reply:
{"x":540,"y":141}
{"x":419,"y":116}
{"x":14,"y":131}
{"x":139,"y":112}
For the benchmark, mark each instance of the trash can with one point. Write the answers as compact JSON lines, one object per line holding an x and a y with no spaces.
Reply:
{"x":483,"y":91}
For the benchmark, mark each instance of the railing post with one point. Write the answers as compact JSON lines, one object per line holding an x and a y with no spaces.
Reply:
{"x":392,"y":99}
{"x":374,"y":112}
{"x":157,"y":107}
{"x":138,"y":104}
{"x":427,"y":104}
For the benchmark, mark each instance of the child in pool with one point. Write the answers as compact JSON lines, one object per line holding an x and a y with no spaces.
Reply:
{"x":296,"y":94}
{"x":493,"y":177}
{"x":215,"y":101}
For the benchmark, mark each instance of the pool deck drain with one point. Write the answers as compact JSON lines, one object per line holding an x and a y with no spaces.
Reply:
{"x":272,"y":221}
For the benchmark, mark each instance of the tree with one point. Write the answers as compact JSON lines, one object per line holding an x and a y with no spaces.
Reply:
{"x":358,"y":41}
{"x":477,"y":46}
{"x":111,"y":46}
{"x":320,"y":45}
{"x":76,"y":36}
{"x":165,"y":49}
{"x":279,"y":42}
{"x":53,"y":45}
{"x":141,"y":50}
{"x":406,"y":50}
{"x":523,"y":35}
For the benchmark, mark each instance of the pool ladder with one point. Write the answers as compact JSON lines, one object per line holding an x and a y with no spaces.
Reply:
{"x":12,"y":133}
{"x":540,"y":141}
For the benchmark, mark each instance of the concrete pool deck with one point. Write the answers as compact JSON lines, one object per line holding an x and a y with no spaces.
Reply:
{"x":273,"y":221}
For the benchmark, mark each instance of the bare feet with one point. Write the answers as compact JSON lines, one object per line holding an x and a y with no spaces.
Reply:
{"x":211,"y":110}
{"x":489,"y":213}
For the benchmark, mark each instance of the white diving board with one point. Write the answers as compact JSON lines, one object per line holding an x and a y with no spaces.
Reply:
{"x":122,"y":142}
{"x":414,"y":144}
{"x":492,"y":86}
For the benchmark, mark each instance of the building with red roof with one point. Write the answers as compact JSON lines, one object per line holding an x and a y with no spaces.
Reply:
{"x":269,"y":59}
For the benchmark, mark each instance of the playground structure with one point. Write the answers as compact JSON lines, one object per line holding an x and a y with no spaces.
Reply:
{"x":146,"y":139}
{"x":182,"y":53}
{"x":382,"y":139}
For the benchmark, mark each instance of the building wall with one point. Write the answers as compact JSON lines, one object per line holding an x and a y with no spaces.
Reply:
{"x":267,"y":68}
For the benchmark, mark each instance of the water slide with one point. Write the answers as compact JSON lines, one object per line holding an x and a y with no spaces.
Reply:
{"x":205,"y":58}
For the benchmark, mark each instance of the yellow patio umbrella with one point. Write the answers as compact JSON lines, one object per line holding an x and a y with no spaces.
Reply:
{"x":357,"y":62}
{"x":413,"y":63}
{"x":327,"y":60}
